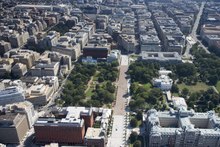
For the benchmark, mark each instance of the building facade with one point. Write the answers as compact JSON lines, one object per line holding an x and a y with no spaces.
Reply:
{"x":182,"y":128}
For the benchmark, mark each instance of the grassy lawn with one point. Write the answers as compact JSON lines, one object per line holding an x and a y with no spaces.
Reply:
{"x":218,"y":86}
{"x":95,"y":77}
{"x":89,"y":92}
{"x":194,"y":88}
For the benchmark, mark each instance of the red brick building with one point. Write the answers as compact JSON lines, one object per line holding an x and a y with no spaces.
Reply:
{"x":68,"y":126}
{"x":66,"y":130}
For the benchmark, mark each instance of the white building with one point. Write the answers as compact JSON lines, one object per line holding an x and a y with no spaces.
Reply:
{"x":11,"y":95}
{"x":163,"y":82}
{"x":179,"y":102}
{"x":114,"y":55}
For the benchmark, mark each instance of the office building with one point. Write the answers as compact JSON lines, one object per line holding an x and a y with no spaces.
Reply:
{"x":96,"y":50}
{"x":150,"y":43}
{"x":26,"y":108}
{"x":11,"y":95}
{"x":4,"y":47}
{"x":19,"y":70}
{"x":161,"y":57}
{"x":44,"y":69}
{"x":39,"y":94}
{"x":13,"y":127}
{"x":73,"y":125}
{"x":182,"y":127}
{"x":95,"y":137}
{"x":67,"y":46}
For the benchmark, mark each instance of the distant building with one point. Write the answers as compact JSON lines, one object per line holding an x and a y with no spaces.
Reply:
{"x":26,"y":57}
{"x":89,"y":60}
{"x":11,"y":95}
{"x":179,"y":102}
{"x":4,"y":47}
{"x":161,"y":57}
{"x":96,"y":50}
{"x":50,"y":69}
{"x":19,"y":70}
{"x":51,"y":39}
{"x":15,"y":41}
{"x":67,"y":46}
{"x":150,"y":43}
{"x":5,"y":69}
{"x":127,"y":42}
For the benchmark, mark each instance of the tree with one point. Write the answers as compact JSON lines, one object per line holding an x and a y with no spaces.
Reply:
{"x":110,"y":87}
{"x":174,"y":88}
{"x":137,"y":143}
{"x":185,"y":92}
{"x":185,"y":70}
{"x":133,"y":88}
{"x":133,"y":137}
{"x":213,"y":79}
{"x":139,"y":115}
{"x":133,"y":122}
{"x":101,"y":79}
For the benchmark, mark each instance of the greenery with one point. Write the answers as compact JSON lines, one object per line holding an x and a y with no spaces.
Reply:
{"x":73,"y":92}
{"x":137,"y":143}
{"x":208,"y":65}
{"x":218,"y":86}
{"x":133,"y":137}
{"x":139,"y":115}
{"x":97,"y":94}
{"x":146,"y":98}
{"x":193,"y":88}
{"x":134,"y":122}
{"x":97,"y":124}
{"x":174,"y":88}
{"x":204,"y":100}
{"x":136,"y":140}
{"x":143,"y":72}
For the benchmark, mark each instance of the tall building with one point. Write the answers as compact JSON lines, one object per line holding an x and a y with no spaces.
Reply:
{"x":13,"y":127}
{"x":182,"y":128}
{"x":11,"y":95}
{"x":4,"y":47}
{"x":24,"y":108}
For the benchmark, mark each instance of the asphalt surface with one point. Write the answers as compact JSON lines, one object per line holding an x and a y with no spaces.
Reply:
{"x":193,"y":33}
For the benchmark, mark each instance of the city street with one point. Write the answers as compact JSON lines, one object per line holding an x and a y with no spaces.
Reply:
{"x":193,"y":33}
{"x":118,"y":137}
